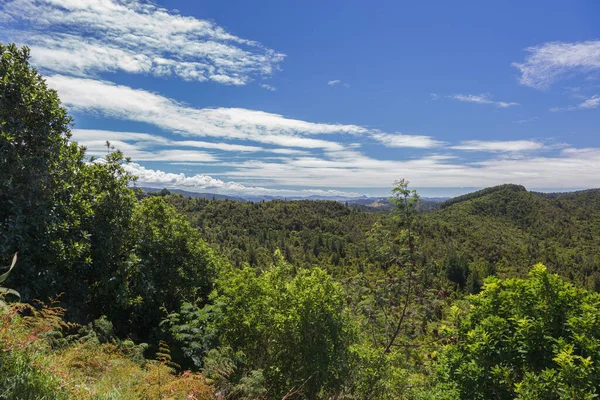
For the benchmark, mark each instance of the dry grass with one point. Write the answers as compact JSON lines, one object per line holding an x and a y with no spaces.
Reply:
{"x":88,"y":370}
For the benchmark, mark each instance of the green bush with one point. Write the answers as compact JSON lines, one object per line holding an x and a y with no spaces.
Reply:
{"x":293,"y":327}
{"x":527,"y":339}
{"x":19,"y":380}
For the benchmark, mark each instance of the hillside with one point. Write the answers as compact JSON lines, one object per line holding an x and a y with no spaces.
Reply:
{"x":510,"y":227}
{"x":308,"y":232}
{"x":503,"y":229}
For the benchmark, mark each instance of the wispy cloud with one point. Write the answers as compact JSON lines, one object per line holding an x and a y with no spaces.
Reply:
{"x":482,"y":99}
{"x":85,"y":38}
{"x":546,"y":63}
{"x":568,"y":169}
{"x":527,"y":120}
{"x":122,"y":102}
{"x":268,"y":87}
{"x":592,"y":102}
{"x":146,"y":147}
{"x":335,"y":165}
{"x":201,"y":183}
{"x":402,"y":140}
{"x":337,"y":82}
{"x":499,"y":146}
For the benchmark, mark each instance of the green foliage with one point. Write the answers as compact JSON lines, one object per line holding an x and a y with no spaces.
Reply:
{"x":107,"y":215}
{"x":506,"y":229}
{"x":39,"y":166}
{"x":32,"y":368}
{"x":293,"y":327}
{"x":481,"y":193}
{"x":526,"y":339}
{"x":394,"y":309}
{"x":163,"y":355}
{"x":22,"y":381}
{"x":307,"y":233}
{"x":78,"y":226}
{"x":218,"y":364}
{"x":366,"y":323}
{"x":252,"y":386}
{"x":70,"y":220}
{"x":405,"y":201}
{"x":98,"y":331}
{"x":172,"y":264}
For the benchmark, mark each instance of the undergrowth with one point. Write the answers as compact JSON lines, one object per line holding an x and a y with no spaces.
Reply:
{"x":44,"y":358}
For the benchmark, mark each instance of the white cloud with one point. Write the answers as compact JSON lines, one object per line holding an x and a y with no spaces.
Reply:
{"x":122,"y":102}
{"x":134,"y":36}
{"x":201,"y":183}
{"x":346,"y":167}
{"x":499,"y":146}
{"x":526,"y":121}
{"x":592,"y":102}
{"x":401,"y":140}
{"x":268,"y":87}
{"x":337,"y":82}
{"x":146,"y":147}
{"x":481,"y":99}
{"x":548,"y":62}
{"x":571,"y":168}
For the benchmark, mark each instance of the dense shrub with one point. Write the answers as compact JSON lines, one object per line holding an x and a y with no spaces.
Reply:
{"x":291,"y":326}
{"x":535,"y":338}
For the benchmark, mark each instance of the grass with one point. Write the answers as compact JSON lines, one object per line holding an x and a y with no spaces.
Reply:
{"x":41,"y":359}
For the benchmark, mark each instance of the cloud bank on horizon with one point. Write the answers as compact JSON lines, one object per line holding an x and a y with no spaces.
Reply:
{"x":109,"y":61}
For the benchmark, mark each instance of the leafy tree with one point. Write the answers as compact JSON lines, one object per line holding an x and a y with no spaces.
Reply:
{"x":395,"y":306}
{"x":533,"y":338}
{"x":307,"y":232}
{"x":292,"y":327}
{"x":38,"y":165}
{"x":172,"y":264}
{"x":103,"y":211}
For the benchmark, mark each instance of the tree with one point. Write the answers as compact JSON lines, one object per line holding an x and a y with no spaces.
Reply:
{"x":172,"y":265}
{"x":69,"y":218}
{"x":38,"y":166}
{"x":396,"y":306}
{"x":533,"y":338}
{"x":293,"y":327}
{"x":406,"y":202}
{"x":106,"y":212}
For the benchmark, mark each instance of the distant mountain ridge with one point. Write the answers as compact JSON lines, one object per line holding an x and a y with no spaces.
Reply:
{"x":209,"y":196}
{"x":372,"y":202}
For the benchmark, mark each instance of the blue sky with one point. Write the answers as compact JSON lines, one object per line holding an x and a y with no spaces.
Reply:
{"x":298,"y":98}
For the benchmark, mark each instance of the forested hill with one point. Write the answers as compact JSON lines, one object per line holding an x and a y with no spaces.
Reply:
{"x":510,"y":228}
{"x":503,"y":229}
{"x":482,"y":193}
{"x":308,"y":232}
